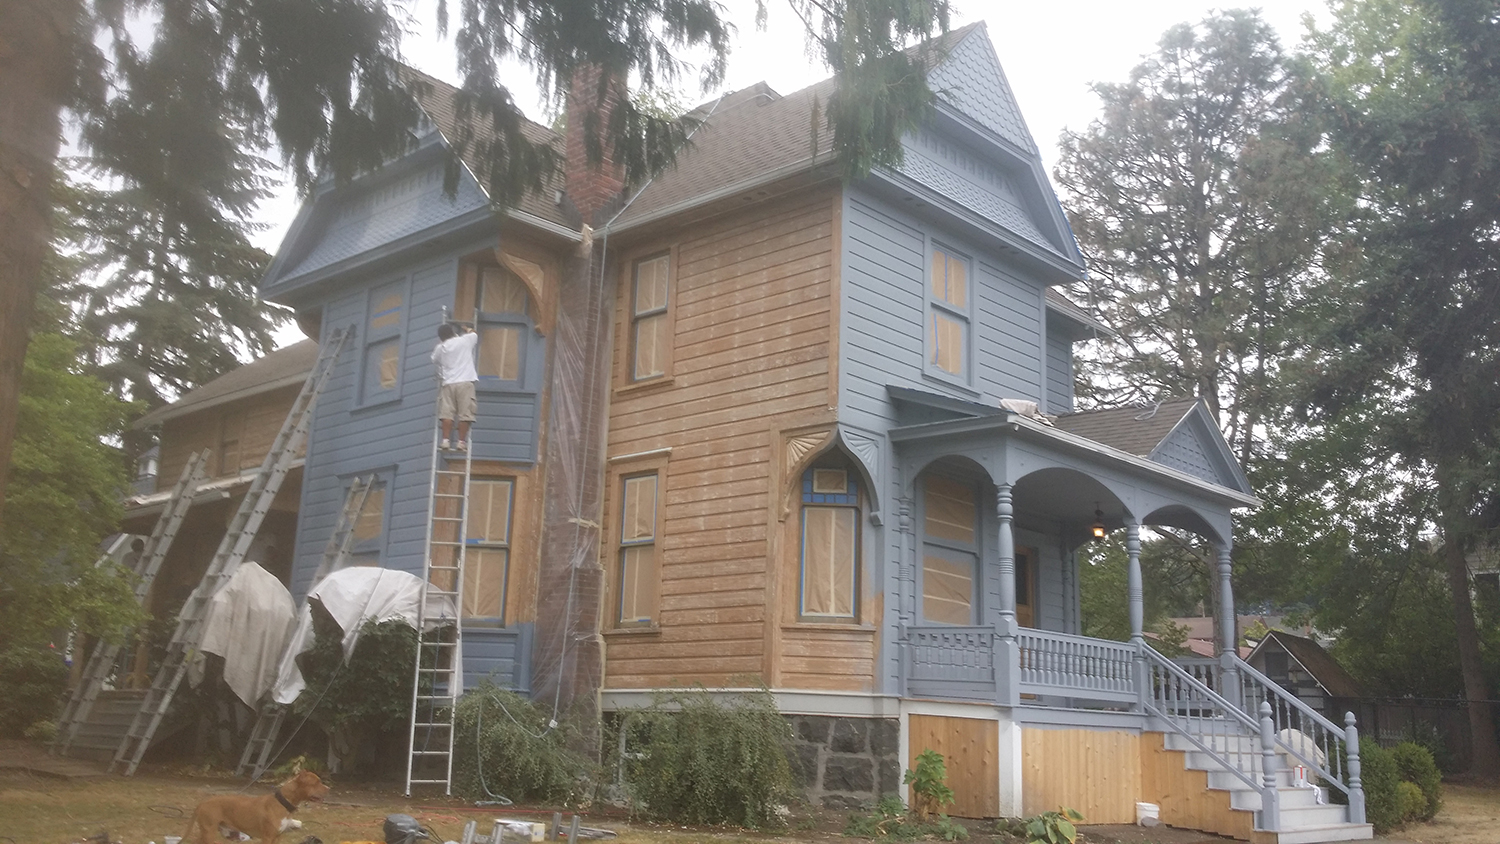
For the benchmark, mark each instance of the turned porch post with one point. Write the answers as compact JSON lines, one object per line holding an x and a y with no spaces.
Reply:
{"x":1134,"y":589}
{"x":1228,"y":635}
{"x":1007,"y":649}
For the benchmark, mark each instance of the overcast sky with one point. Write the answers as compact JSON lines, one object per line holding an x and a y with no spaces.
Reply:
{"x":1051,"y":53}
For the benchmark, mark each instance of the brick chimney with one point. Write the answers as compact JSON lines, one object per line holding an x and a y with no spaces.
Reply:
{"x":590,"y":187}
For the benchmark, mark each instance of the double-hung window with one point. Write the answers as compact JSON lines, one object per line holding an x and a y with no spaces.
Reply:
{"x":948,"y":315}
{"x":830,"y":545}
{"x":382,"y":349}
{"x":368,"y":532}
{"x":650,"y":324}
{"x":638,"y":557}
{"x":501,"y":306}
{"x":487,"y":551}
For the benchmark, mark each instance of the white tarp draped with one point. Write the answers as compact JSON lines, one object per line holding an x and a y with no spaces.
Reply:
{"x":248,"y":623}
{"x":353,"y":596}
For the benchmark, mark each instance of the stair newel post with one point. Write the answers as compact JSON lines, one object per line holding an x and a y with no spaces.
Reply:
{"x":1356,"y":786}
{"x":1229,"y":675}
{"x":1136,"y":595}
{"x":1269,"y":796}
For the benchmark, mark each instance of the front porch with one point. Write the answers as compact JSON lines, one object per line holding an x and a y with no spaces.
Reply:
{"x":984,"y":609}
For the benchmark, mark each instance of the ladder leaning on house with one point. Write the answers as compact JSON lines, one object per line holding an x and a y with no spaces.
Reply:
{"x":231,"y":552}
{"x":438,"y":670}
{"x":101,"y":662}
{"x":257,"y":754}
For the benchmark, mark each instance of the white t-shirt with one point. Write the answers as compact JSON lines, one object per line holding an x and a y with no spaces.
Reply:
{"x":455,"y":359}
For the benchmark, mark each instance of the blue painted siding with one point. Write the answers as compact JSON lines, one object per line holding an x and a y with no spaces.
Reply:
{"x":1059,"y":374}
{"x":500,"y":655}
{"x":394,"y":435}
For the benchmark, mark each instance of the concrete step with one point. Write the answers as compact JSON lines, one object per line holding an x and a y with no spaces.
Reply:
{"x":1326,"y":833}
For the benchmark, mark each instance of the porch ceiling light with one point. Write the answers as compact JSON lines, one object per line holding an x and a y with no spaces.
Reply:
{"x":1098,"y":523}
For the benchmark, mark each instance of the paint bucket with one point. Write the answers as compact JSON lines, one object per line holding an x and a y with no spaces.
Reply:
{"x":1147,"y":814}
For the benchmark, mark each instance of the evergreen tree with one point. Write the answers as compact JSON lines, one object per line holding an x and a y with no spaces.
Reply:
{"x":1415,"y":89}
{"x":1199,"y":199}
{"x":321,"y":83}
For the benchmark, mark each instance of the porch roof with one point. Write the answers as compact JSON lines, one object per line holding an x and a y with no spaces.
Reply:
{"x":1006,"y":423}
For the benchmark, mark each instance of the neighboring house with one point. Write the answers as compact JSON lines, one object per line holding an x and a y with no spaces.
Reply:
{"x":1301,"y":666}
{"x":756,"y":426}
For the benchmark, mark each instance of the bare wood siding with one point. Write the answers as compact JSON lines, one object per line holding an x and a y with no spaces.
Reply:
{"x":971,"y":753}
{"x":1097,"y":772}
{"x":1183,"y":794}
{"x":251,"y":423}
{"x":750,"y":310}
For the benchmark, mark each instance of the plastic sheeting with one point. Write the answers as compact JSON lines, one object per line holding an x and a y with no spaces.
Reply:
{"x":248,"y":623}
{"x":354,"y":596}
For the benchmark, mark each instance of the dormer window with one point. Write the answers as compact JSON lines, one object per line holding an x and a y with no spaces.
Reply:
{"x":948,"y":315}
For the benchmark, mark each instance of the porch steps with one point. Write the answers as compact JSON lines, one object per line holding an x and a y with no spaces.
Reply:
{"x":1303,"y":820}
{"x":109,"y":718}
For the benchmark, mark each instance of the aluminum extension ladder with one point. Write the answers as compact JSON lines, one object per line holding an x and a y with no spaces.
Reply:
{"x":257,"y":754}
{"x":102,"y":661}
{"x":231,"y":552}
{"x":438,"y":669}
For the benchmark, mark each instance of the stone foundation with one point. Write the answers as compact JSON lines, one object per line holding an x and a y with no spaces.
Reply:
{"x":846,"y":763}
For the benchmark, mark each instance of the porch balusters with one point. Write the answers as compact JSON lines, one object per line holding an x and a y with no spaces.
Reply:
{"x":1228,"y":635}
{"x":1007,"y":649}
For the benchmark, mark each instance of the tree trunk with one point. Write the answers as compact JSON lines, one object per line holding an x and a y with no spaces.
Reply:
{"x":1486,"y":752}
{"x":35,"y":77}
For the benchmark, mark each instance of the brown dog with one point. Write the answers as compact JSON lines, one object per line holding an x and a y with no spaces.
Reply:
{"x":258,"y":817}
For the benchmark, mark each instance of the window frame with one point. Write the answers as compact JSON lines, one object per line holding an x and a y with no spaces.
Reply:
{"x":934,"y":306}
{"x":524,"y":320}
{"x":373,"y":337}
{"x":623,"y":467}
{"x":667,"y":313}
{"x":622,"y":546}
{"x":370,"y":549}
{"x":507,"y":544}
{"x":951,"y":548}
{"x":851,"y":500}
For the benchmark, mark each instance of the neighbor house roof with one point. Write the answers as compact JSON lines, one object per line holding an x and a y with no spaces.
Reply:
{"x":282,"y":368}
{"x":1318,"y":662}
{"x":1133,"y":430}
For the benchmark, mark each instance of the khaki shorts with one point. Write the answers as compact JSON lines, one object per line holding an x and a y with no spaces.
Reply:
{"x":457,"y":401}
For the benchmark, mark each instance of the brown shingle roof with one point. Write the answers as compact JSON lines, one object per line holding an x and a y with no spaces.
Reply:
{"x":1134,"y":430}
{"x":1318,"y":662}
{"x":281,"y":368}
{"x":440,"y":102}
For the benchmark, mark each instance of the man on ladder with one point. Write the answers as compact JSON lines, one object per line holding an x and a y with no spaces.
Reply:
{"x":454,"y":356}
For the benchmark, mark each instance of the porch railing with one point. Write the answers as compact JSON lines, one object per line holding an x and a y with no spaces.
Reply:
{"x":1305,"y":734}
{"x":1076,"y":666}
{"x":1215,"y":727}
{"x":944,"y":661}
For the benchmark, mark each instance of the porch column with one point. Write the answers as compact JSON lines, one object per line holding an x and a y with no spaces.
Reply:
{"x":1228,"y":635}
{"x":1133,"y":587}
{"x":1007,"y":649}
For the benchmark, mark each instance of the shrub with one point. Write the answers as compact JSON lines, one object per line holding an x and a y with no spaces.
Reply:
{"x":1053,"y":827}
{"x":1380,"y":778}
{"x":1427,"y":734}
{"x":366,"y":701}
{"x":1410,"y":802}
{"x":693,"y":759}
{"x":929,"y":784}
{"x":890,"y":819}
{"x":523,"y":758}
{"x":32,"y":682}
{"x":1414,"y":764}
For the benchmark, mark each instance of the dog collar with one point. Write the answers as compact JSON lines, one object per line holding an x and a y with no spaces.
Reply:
{"x":290,"y":806}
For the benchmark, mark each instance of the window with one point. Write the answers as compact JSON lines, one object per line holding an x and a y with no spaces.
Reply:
{"x":650,"y":330}
{"x":487,"y":551}
{"x":496,"y":300}
{"x":830,"y":545}
{"x":948,"y":314}
{"x":950,"y":549}
{"x":369,"y":526}
{"x":382,"y":355}
{"x":638,"y":555}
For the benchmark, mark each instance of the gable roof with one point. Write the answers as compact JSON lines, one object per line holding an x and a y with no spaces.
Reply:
{"x":1179,"y":433}
{"x":284,"y":367}
{"x":1318,"y":662}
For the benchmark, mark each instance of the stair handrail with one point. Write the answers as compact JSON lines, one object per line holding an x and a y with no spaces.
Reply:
{"x":1327,"y":737}
{"x":1163,"y":678}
